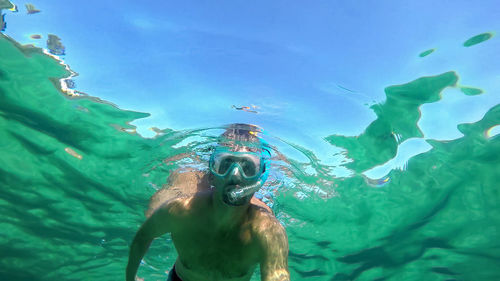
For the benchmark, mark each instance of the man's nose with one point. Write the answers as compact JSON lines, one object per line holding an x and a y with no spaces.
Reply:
{"x":235,"y":175}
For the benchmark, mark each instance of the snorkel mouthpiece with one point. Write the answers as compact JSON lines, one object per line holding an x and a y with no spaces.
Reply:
{"x":243,"y":194}
{"x":240,"y":195}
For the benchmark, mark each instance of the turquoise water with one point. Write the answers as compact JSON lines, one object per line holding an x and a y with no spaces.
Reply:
{"x":371,"y":179}
{"x":75,"y":181}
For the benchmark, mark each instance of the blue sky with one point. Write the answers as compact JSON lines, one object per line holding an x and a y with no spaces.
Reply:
{"x":187,"y":62}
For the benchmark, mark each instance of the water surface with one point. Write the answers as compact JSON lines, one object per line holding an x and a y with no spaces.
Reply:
{"x":75,"y":178}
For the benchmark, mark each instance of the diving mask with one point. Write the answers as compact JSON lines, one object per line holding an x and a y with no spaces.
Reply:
{"x":251,"y":166}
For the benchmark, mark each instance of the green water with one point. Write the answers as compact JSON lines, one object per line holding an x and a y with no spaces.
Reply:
{"x":478,"y":39}
{"x":75,"y":180}
{"x":426,"y":53}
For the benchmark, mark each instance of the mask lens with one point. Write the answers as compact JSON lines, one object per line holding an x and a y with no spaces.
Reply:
{"x":248,"y":162}
{"x":249,"y":168}
{"x":224,"y":165}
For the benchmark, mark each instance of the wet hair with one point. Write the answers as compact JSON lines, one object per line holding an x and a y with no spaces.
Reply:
{"x":242,"y":132}
{"x":238,"y":136}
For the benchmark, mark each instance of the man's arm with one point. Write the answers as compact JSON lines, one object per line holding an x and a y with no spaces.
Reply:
{"x":155,"y":226}
{"x":274,"y":260}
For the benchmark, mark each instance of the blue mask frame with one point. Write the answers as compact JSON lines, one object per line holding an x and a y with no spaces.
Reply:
{"x":260,"y":175}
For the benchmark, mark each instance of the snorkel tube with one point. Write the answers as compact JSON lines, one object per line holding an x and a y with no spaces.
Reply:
{"x":245,"y":193}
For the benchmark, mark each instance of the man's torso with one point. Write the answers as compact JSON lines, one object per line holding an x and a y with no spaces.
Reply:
{"x":206,"y":253}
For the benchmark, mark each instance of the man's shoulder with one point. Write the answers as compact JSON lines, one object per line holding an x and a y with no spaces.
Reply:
{"x":190,"y":180}
{"x":260,"y":206}
{"x":263,"y":220}
{"x":190,"y":203}
{"x":181,"y":186}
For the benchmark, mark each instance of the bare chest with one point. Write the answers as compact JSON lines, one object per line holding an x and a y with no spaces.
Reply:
{"x":202,"y":249}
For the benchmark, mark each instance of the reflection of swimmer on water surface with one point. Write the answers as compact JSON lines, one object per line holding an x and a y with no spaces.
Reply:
{"x":55,"y":46}
{"x":6,"y":4}
{"x":245,"y":108}
{"x":31,"y":9}
{"x":3,"y":24}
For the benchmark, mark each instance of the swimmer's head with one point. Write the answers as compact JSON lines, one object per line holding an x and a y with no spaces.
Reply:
{"x":239,"y":164}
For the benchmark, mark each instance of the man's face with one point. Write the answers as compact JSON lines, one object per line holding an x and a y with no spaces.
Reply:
{"x":238,"y":172}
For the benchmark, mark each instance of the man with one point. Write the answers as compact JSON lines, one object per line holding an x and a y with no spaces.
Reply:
{"x":220,"y":233}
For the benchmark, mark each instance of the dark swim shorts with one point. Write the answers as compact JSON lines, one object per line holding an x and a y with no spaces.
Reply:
{"x":172,"y":275}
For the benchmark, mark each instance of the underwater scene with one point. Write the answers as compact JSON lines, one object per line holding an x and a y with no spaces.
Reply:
{"x":385,"y":156}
